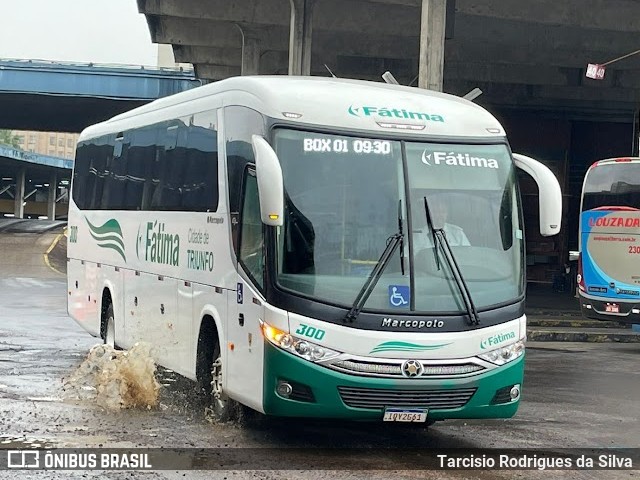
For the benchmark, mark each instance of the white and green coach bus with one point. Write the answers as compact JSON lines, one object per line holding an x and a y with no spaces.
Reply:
{"x":311,"y":247}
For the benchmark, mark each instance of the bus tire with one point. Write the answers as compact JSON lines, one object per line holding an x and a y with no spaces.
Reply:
{"x":220,"y":407}
{"x":108,"y":325}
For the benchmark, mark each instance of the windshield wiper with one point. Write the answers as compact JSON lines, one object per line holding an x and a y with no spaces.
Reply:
{"x":401,"y":233}
{"x":430,"y":225}
{"x":440,"y":239}
{"x":365,"y":292}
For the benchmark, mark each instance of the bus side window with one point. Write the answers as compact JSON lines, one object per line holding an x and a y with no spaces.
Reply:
{"x":251,"y":235}
{"x":240,"y":124}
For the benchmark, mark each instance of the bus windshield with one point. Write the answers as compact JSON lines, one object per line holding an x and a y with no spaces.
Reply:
{"x":612,"y":185}
{"x":345,"y":198}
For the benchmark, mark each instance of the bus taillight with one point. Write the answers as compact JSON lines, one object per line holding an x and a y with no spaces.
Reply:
{"x":580,"y":276}
{"x":623,"y":159}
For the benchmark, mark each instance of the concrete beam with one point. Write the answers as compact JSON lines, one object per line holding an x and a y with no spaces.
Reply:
{"x":614,"y":15}
{"x":328,"y":14}
{"x":208,"y":33}
{"x":486,"y":51}
{"x":215,"y":55}
{"x":510,"y":34}
{"x":216,"y":72}
{"x":598,"y":100}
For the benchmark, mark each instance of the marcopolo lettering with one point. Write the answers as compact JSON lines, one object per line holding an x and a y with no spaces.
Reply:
{"x":390,"y":322}
{"x":458,"y":160}
{"x":368,"y":111}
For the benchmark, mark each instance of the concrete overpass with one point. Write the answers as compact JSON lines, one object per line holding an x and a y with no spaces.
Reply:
{"x":65,"y":97}
{"x":523,"y":54}
{"x":50,"y":96}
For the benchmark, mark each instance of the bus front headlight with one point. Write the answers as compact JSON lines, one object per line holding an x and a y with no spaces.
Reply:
{"x":297,"y":346}
{"x":503,"y":355}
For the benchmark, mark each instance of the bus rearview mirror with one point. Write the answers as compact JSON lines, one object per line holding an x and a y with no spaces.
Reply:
{"x":270,"y":185}
{"x":550,"y":195}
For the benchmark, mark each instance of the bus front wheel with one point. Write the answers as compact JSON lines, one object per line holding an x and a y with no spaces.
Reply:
{"x":222,"y":408}
{"x":209,"y":373}
{"x":109,"y":329}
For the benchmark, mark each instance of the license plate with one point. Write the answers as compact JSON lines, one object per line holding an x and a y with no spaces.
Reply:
{"x":612,"y":308}
{"x":405,"y":415}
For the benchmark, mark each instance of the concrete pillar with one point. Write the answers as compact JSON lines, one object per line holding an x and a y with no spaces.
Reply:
{"x":51,"y":200}
{"x":251,"y":52}
{"x":432,"y":28}
{"x":300,"y":37}
{"x":18,"y":210}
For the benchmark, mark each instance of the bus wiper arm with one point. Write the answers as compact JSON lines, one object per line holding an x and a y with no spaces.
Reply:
{"x":427,"y":212}
{"x":474,"y":319}
{"x":440,"y":240}
{"x":365,"y":292}
{"x":401,"y":232}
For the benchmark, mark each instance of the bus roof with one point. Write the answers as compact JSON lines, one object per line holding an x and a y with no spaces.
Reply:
{"x":320,"y":101}
{"x":609,"y":161}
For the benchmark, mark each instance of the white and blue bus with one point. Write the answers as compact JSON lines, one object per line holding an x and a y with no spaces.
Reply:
{"x":609,"y":239}
{"x":311,"y":247}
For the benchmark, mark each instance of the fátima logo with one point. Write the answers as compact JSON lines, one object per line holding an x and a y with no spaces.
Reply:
{"x":457,"y":160}
{"x":157,"y":245}
{"x":108,"y":235}
{"x":400,"y":113}
{"x":496,"y":340}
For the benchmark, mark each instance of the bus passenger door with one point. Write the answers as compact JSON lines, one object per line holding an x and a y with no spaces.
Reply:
{"x":245,"y":352}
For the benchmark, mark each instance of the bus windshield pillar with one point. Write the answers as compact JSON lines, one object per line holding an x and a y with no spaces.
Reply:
{"x":432,"y":32}
{"x":300,"y":37}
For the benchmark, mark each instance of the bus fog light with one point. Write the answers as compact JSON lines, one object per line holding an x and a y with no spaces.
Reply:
{"x":503,"y":355}
{"x":284,"y":389}
{"x":515,"y":392}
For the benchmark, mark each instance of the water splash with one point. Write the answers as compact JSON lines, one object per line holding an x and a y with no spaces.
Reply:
{"x":116,"y":379}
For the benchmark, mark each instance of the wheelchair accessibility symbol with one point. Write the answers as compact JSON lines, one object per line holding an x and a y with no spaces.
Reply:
{"x":399,"y":295}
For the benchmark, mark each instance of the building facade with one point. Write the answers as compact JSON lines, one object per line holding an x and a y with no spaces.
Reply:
{"x":55,"y":144}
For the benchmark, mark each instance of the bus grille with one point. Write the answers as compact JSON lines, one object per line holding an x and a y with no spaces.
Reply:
{"x":379,"y":398}
{"x":394,"y":368}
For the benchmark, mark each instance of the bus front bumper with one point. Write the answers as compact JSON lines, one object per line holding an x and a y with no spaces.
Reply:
{"x":321,"y":392}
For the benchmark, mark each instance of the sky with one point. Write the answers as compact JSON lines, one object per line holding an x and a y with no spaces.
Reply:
{"x":98,"y":31}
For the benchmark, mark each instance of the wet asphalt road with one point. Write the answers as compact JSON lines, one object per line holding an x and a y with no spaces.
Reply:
{"x":575,"y":395}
